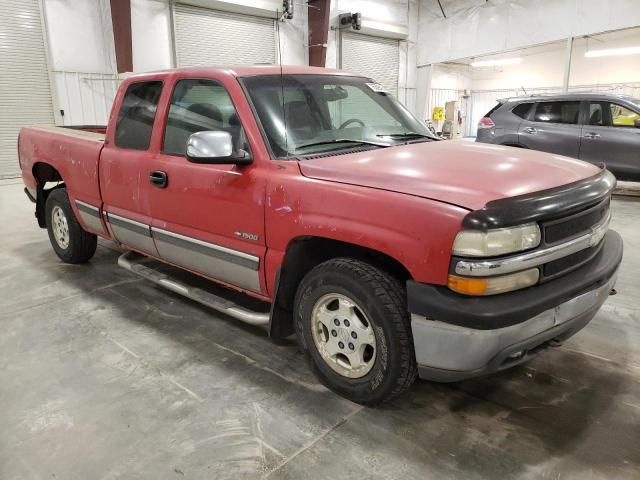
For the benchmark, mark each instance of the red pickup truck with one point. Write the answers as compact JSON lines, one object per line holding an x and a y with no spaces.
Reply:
{"x":389,"y":253}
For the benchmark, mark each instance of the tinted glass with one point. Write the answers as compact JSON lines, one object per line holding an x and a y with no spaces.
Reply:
{"x":596,"y":114}
{"x":490,"y":112}
{"x":522,"y":110}
{"x":557,"y":112}
{"x":135,"y":119}
{"x":622,"y":116}
{"x":309,"y":114}
{"x":200,"y":105}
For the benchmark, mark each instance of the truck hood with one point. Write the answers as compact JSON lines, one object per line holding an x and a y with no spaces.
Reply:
{"x":459,"y":172}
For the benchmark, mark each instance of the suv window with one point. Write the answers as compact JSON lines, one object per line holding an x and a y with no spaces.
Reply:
{"x":622,"y":116}
{"x":596,"y":114}
{"x":137,"y":112}
{"x":522,"y":110}
{"x":557,"y":112}
{"x":200,"y":105}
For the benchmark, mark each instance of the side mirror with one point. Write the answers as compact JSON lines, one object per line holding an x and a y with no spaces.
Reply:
{"x":636,"y":123}
{"x":214,"y":146}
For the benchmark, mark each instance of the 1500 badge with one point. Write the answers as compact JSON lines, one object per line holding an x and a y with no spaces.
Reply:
{"x":246,"y":236}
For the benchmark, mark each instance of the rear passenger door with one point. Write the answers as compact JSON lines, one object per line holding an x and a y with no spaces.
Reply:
{"x":125,"y":162}
{"x":553,"y":127}
{"x":609,"y":137}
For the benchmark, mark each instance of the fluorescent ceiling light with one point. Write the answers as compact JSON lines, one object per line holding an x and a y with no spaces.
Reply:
{"x":495,"y":63}
{"x":610,"y":52}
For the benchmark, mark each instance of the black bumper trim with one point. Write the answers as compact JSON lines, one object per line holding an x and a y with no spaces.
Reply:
{"x":534,"y":207}
{"x":499,"y":311}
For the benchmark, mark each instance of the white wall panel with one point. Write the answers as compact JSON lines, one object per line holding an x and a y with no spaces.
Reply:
{"x":475,"y":27}
{"x":84,"y":97}
{"x":82,"y":52}
{"x":374,"y":57}
{"x":25,"y":95}
{"x":80,"y":35}
{"x":212,"y":37}
{"x":151,"y":36}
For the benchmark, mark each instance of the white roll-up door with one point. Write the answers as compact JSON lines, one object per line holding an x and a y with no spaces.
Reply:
{"x":25,"y":93}
{"x":212,"y":37}
{"x":373,"y":57}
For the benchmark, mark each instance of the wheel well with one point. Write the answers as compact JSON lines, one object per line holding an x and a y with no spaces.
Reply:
{"x":44,"y":174}
{"x":302,"y":255}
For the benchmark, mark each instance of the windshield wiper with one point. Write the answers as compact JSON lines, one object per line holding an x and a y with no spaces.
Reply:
{"x":405,"y":135}
{"x":342,"y":140}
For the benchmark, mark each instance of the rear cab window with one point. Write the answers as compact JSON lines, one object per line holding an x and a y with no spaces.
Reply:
{"x":563,"y":112}
{"x":137,"y":114}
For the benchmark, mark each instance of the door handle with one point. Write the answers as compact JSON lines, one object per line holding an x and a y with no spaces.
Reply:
{"x":591,"y":135}
{"x":158,"y":178}
{"x":530,"y":130}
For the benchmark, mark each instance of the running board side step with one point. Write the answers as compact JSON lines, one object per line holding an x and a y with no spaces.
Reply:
{"x":132,"y":261}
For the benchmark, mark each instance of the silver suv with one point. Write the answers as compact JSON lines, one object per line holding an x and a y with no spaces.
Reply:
{"x":595,"y":127}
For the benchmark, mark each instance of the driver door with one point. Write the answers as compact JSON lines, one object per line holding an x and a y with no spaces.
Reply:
{"x":207,"y":218}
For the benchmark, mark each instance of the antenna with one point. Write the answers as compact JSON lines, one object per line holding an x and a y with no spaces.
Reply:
{"x":284,"y":116}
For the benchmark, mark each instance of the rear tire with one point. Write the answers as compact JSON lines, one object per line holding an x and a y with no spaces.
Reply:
{"x":70,"y":242}
{"x":352,"y":321}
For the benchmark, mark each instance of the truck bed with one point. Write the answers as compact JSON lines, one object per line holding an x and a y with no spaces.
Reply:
{"x":73,"y":151}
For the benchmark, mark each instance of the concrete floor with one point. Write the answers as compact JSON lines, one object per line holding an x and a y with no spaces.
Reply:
{"x":104,"y":376}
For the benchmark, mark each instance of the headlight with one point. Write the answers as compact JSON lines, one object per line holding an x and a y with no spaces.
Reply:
{"x":476,"y":243}
{"x":493,"y":285}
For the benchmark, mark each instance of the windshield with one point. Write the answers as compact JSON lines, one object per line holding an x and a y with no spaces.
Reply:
{"x":309,"y":114}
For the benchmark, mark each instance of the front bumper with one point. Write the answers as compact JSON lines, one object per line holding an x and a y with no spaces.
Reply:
{"x":457,"y":337}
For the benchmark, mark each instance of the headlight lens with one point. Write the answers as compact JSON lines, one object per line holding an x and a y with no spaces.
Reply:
{"x":493,"y":285}
{"x":476,"y":243}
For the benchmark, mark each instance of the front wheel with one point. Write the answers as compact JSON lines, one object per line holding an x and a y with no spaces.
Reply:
{"x":353,"y":323}
{"x":70,"y":242}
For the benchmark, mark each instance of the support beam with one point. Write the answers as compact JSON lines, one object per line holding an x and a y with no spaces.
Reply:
{"x":567,"y":64}
{"x":121,"y":20}
{"x":318,"y":15}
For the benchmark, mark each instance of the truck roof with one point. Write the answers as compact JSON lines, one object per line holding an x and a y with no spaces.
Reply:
{"x":249,"y":70}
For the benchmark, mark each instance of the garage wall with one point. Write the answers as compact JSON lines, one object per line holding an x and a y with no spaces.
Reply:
{"x":477,"y":27}
{"x":205,"y":36}
{"x":153,"y":35}
{"x":391,"y":19}
{"x":25,"y":96}
{"x":83,"y":62}
{"x":82,"y":53}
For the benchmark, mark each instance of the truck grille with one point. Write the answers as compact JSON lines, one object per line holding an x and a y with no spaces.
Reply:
{"x":575,"y":225}
{"x":571,"y":262}
{"x":564,"y":229}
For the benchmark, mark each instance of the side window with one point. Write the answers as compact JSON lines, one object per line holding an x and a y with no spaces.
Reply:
{"x":200,"y":105}
{"x":622,"y":116}
{"x":557,"y":112}
{"x":522,"y":110}
{"x":137,"y":112}
{"x":596,"y":114}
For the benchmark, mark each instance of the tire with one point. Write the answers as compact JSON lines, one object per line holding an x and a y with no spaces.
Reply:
{"x":350,"y":289}
{"x":70,"y":242}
